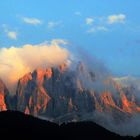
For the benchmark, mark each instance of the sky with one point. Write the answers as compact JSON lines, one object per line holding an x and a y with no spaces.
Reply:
{"x":107,"y":29}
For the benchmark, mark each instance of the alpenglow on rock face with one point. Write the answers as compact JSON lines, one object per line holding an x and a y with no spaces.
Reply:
{"x":3,"y":95}
{"x":63,"y":94}
{"x":53,"y":93}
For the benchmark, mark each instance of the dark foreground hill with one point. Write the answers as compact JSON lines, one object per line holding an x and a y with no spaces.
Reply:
{"x":18,"y":125}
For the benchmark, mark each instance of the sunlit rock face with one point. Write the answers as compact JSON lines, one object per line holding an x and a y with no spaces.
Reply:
{"x":31,"y":95}
{"x":60,"y":94}
{"x":123,"y":100}
{"x":52,"y":92}
{"x":75,"y":93}
{"x":3,"y":95}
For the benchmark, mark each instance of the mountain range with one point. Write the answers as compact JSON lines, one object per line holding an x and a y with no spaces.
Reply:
{"x":63,"y":94}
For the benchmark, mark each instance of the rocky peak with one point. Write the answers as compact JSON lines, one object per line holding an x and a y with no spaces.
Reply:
{"x":3,"y":94}
{"x":57,"y":91}
{"x":25,"y":78}
{"x":63,"y":94}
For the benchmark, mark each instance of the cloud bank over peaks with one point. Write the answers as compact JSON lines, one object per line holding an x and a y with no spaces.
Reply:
{"x":15,"y":62}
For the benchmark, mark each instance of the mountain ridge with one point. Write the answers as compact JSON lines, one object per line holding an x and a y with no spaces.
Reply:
{"x":61,"y":95}
{"x":18,"y":124}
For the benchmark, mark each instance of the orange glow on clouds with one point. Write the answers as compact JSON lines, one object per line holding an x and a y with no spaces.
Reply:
{"x":16,"y":62}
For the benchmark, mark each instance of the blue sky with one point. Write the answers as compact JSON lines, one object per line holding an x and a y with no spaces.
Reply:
{"x":109,"y":30}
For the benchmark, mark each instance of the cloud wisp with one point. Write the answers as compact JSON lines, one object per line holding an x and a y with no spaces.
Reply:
{"x":77,"y":13}
{"x":53,"y":24}
{"x":89,"y":21}
{"x":31,"y":21}
{"x":120,"y":18}
{"x":97,"y":28}
{"x":103,"y":23}
{"x":10,"y":33}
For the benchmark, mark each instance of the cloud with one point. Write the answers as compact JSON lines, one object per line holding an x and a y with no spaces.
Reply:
{"x":97,"y":28}
{"x":15,"y":62}
{"x":10,"y":34}
{"x":53,"y":24}
{"x":77,"y":13}
{"x":32,"y":21}
{"x":120,"y":18}
{"x":89,"y":21}
{"x":102,"y":28}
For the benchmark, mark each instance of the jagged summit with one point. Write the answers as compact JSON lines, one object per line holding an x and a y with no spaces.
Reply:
{"x":63,"y":94}
{"x":3,"y":94}
{"x":55,"y":92}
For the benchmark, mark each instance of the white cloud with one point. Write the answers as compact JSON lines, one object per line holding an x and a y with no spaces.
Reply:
{"x":91,"y":30}
{"x":77,"y":13}
{"x":102,"y":28}
{"x":89,"y":21}
{"x":97,"y":28}
{"x":53,"y":24}
{"x":12,"y":35}
{"x":32,"y":21}
{"x":15,"y":62}
{"x":120,"y":18}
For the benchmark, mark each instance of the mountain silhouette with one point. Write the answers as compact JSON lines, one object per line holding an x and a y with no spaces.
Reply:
{"x":18,"y":125}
